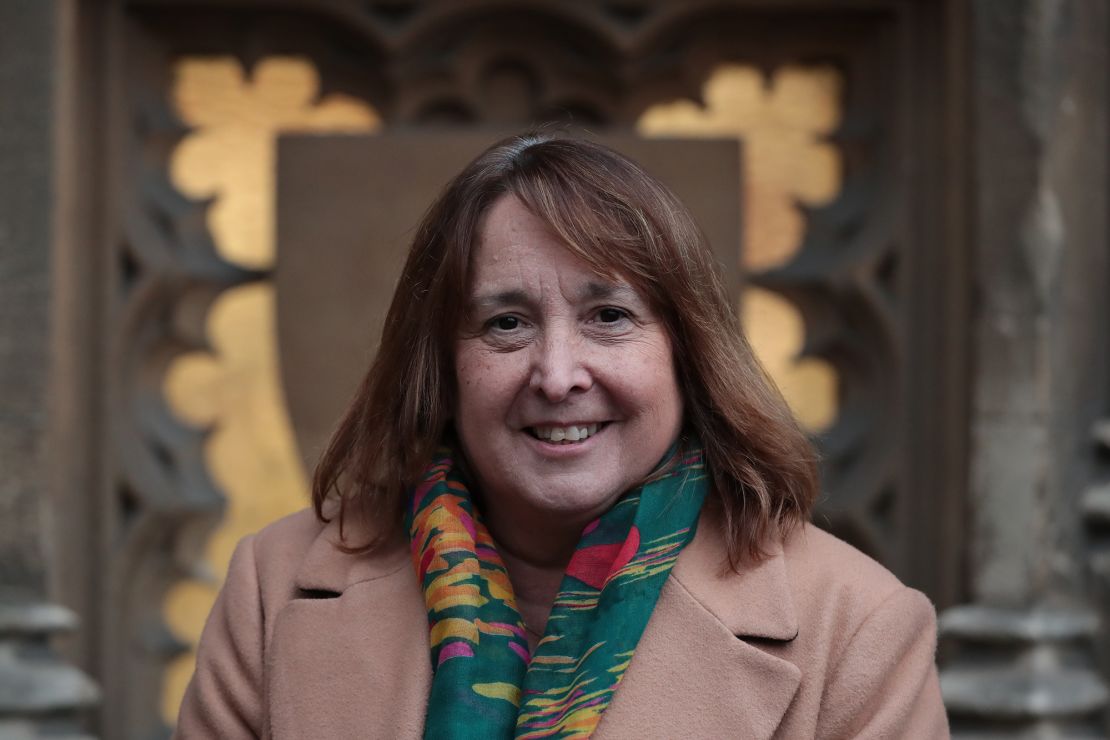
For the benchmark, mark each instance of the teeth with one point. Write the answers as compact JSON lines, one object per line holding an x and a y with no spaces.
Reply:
{"x":565,"y":434}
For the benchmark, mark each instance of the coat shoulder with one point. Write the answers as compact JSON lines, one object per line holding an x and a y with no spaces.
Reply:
{"x":823,"y":567}
{"x":281,"y":546}
{"x":291,"y":535}
{"x":841,"y":594}
{"x":868,"y":643}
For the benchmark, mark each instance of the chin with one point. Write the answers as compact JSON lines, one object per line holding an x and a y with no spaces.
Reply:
{"x":575,"y":503}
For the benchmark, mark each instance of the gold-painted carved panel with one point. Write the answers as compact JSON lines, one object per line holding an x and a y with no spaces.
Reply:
{"x":251,"y":454}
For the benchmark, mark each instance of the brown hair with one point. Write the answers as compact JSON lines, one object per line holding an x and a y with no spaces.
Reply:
{"x":621,"y":221}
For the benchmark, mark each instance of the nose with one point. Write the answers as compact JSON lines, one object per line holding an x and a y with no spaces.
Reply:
{"x":558,"y":367}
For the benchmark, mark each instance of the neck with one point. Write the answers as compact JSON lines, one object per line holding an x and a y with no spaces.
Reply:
{"x":536,"y":558}
{"x":541,"y":539}
{"x":535,"y":585}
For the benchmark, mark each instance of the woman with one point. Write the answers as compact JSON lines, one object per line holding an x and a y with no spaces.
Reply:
{"x":565,"y":502}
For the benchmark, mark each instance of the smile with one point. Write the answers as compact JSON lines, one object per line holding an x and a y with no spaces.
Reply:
{"x":565,"y":435}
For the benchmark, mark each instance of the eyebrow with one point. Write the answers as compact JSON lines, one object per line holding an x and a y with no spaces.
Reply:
{"x":591,"y":291}
{"x":596,"y":290}
{"x":499,"y":299}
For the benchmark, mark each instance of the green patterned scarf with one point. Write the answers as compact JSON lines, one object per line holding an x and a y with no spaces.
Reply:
{"x":485,"y":685}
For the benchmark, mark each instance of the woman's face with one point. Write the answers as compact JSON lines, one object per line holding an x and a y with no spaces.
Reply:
{"x":567,"y":394}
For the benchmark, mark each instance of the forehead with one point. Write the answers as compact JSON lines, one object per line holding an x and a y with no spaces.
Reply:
{"x":516,"y":248}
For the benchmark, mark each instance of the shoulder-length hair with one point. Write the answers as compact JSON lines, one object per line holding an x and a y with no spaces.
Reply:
{"x":621,"y":221}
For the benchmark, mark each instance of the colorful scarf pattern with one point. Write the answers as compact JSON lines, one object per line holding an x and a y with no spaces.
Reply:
{"x":485,"y":684}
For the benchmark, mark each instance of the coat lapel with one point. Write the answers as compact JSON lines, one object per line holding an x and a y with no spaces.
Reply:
{"x":326,"y":567}
{"x":349,"y":658}
{"x":696,"y":671}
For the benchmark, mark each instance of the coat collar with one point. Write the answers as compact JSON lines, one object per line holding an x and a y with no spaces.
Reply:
{"x":754,"y":603}
{"x":695,"y":671}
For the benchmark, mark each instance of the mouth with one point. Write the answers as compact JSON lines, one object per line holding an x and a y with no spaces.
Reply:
{"x":566,"y":435}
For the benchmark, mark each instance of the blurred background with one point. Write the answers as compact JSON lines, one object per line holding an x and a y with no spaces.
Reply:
{"x":203,"y":205}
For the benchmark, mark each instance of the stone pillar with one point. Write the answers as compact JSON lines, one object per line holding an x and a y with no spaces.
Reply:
{"x":1019,"y":659}
{"x":39,"y":694}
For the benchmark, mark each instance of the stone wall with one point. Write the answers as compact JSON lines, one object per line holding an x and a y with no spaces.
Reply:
{"x":1022,"y":652}
{"x":38,"y":693}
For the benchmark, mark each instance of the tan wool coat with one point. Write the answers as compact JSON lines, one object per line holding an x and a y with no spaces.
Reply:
{"x":816,"y":641}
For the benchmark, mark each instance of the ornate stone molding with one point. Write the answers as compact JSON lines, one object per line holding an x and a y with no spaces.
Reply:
{"x":1023,"y":666}
{"x":38,"y":692}
{"x":1020,"y":658}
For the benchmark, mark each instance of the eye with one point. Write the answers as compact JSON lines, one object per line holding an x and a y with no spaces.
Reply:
{"x":506,"y":323}
{"x":611,"y":315}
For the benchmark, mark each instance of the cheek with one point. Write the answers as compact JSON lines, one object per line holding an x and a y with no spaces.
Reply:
{"x":658,"y":372}
{"x":667,"y":391}
{"x":472,"y":364}
{"x":648,"y":383}
{"x":471,"y":402}
{"x":484,"y":378}
{"x":468,"y":379}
